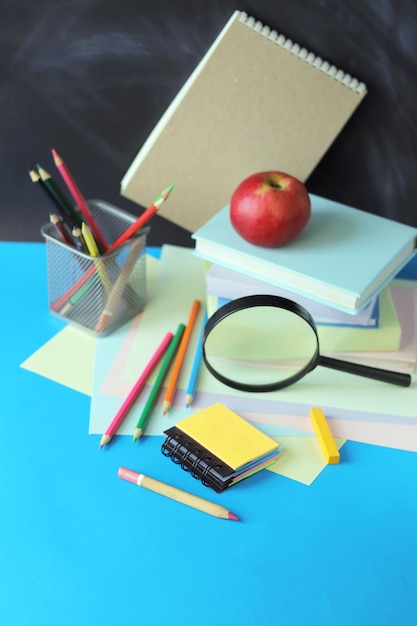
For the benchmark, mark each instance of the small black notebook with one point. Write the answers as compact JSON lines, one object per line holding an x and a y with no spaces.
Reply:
{"x":218,"y":447}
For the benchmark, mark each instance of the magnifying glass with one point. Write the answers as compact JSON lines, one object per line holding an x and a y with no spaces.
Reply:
{"x":264,"y":343}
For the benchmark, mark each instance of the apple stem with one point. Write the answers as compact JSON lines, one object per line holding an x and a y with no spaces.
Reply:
{"x":274,"y":184}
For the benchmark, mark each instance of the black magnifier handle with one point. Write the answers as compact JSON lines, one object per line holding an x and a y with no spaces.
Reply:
{"x":386,"y":376}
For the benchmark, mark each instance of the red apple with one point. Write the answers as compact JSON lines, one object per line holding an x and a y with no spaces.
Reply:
{"x":269,"y":209}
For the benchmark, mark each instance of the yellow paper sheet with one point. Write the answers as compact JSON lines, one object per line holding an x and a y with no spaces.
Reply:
{"x":67,"y":358}
{"x":301,"y":458}
{"x":179,"y":281}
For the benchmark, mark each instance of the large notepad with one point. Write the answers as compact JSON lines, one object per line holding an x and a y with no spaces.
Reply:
{"x":256,"y":101}
{"x":219,"y":447}
{"x":343,"y":257}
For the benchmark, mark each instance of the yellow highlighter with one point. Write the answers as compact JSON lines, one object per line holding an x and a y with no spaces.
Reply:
{"x":325,"y":437}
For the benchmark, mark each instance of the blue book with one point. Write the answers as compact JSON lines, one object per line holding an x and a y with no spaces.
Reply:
{"x":225,"y":283}
{"x":342,"y":258}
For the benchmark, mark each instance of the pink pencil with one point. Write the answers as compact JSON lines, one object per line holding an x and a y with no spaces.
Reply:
{"x":78,"y":198}
{"x":134,"y":392}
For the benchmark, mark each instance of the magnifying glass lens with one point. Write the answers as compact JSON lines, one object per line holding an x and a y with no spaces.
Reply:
{"x":260,"y":345}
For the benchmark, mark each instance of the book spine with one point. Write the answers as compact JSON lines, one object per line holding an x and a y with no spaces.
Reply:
{"x":309,"y":57}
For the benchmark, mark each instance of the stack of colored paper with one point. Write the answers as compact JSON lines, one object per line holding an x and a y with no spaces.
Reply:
{"x":219,"y":447}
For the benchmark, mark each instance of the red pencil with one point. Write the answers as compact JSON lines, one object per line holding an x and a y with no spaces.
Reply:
{"x":142,"y":219}
{"x":139,"y":223}
{"x":63,"y":234}
{"x":79,"y":200}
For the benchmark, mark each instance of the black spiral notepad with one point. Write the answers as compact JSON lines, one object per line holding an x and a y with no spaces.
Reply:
{"x":219,"y":447}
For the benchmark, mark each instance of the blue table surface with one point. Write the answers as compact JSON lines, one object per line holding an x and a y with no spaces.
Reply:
{"x":78,"y":546}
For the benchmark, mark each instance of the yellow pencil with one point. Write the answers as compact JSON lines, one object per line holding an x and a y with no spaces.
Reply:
{"x":175,"y":494}
{"x":93,"y":251}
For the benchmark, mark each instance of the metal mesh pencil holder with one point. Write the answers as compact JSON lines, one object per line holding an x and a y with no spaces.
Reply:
{"x":97,"y":293}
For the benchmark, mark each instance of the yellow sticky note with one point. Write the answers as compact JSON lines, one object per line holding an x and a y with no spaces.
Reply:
{"x":226,"y":435}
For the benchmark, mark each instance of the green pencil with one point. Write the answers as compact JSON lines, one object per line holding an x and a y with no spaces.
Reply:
{"x":158,"y":382}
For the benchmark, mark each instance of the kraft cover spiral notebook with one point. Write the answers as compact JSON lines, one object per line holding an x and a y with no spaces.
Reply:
{"x":342,"y":258}
{"x":256,"y":101}
{"x":219,"y":447}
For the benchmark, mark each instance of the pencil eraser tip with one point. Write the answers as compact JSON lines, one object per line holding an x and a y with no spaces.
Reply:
{"x":127,"y":474}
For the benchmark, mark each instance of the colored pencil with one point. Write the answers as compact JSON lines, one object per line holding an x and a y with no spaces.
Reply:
{"x":176,"y":494}
{"x":79,"y":240}
{"x":192,"y":382}
{"x":59,"y":226}
{"x":60,"y":302}
{"x":79,"y":199}
{"x":158,"y":382}
{"x":142,"y":219}
{"x":118,"y":288}
{"x":93,"y":251}
{"x":90,"y":242}
{"x":68,"y":213}
{"x":35,"y":177}
{"x":78,"y":295}
{"x":135,"y":391}
{"x":179,"y":359}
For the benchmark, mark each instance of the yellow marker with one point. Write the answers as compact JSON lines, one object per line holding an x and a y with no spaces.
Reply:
{"x":325,"y":437}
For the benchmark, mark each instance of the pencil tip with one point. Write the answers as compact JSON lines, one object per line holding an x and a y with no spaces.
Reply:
{"x":104,"y":441}
{"x":232,"y":516}
{"x":136,"y":434}
{"x":188,"y":400}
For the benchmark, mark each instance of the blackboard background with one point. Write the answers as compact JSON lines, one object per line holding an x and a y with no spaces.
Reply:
{"x":92,"y":77}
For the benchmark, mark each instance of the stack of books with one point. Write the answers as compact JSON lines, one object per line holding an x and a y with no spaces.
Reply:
{"x":340,"y":268}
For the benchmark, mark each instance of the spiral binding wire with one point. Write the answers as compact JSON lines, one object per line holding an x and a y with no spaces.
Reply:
{"x":309,"y":57}
{"x":200,"y":467}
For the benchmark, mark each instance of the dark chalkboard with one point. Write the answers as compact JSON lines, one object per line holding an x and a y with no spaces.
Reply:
{"x":92,"y":77}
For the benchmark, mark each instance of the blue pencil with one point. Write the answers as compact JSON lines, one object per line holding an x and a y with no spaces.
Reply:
{"x":192,"y":383}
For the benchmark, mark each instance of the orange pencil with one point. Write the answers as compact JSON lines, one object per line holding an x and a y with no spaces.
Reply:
{"x":179,"y":360}
{"x":79,"y":200}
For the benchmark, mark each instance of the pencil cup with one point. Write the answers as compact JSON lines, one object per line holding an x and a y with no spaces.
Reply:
{"x":97,"y":293}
